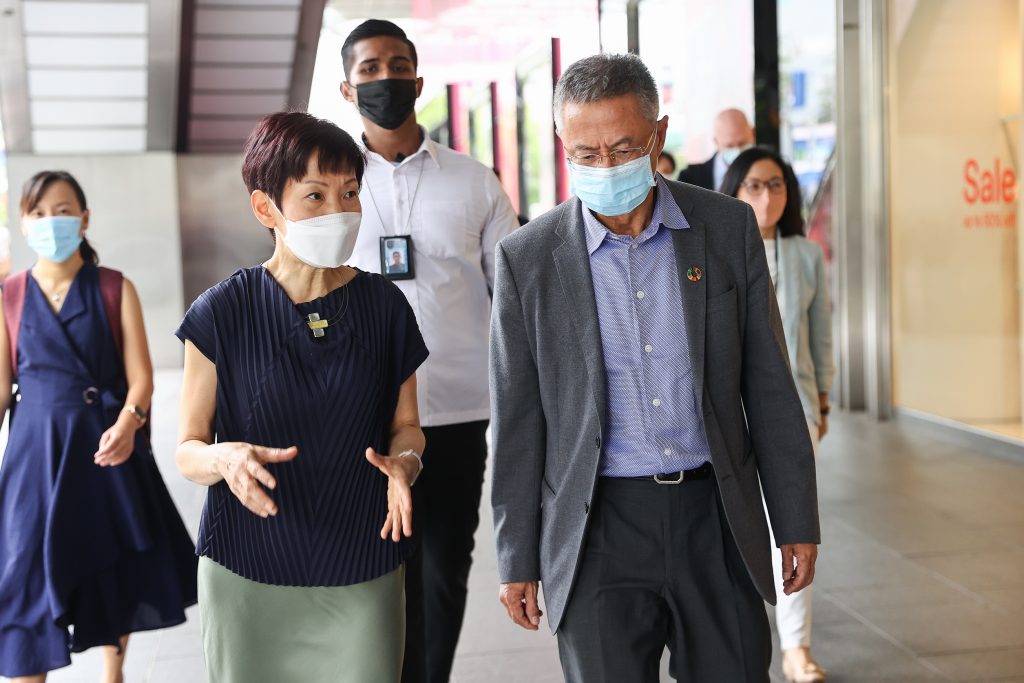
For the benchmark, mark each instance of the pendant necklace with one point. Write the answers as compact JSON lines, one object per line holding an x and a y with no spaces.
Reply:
{"x":318,"y":325}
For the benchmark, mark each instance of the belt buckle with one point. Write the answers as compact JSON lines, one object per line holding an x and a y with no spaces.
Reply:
{"x":668,"y":482}
{"x":90,"y":395}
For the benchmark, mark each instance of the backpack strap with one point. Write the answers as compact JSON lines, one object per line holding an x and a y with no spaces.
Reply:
{"x":14,"y":301}
{"x":111,"y":286}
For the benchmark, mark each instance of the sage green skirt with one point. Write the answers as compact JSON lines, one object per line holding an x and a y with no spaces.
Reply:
{"x":255,"y":632}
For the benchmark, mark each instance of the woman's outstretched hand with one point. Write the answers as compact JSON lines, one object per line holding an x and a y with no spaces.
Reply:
{"x":241,"y":466}
{"x":400,"y":473}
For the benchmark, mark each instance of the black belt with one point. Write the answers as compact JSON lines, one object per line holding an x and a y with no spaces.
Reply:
{"x":703,"y":472}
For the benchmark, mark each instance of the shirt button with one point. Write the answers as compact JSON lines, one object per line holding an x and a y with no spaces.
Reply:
{"x":639,"y":295}
{"x":668,"y":451}
{"x":656,"y":402}
{"x":648,"y":348}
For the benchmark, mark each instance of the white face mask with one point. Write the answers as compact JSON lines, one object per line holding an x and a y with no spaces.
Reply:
{"x":323,"y":241}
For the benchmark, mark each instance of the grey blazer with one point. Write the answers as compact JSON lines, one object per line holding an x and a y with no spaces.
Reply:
{"x":548,"y":394}
{"x":802,"y":291}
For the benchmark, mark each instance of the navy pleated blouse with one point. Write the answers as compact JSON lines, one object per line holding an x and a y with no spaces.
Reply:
{"x":332,"y":397}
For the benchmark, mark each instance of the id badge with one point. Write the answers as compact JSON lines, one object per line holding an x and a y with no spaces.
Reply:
{"x":396,"y":257}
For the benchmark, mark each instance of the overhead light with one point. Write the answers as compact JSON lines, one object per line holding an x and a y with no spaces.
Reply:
{"x":88,"y":140}
{"x":79,"y":18}
{"x":77,"y":83}
{"x":78,"y":113}
{"x":79,"y":51}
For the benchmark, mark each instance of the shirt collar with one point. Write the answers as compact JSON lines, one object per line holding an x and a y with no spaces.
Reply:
{"x":666,"y":214}
{"x":428,"y":146}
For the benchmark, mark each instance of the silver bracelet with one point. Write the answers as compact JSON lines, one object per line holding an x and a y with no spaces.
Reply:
{"x":406,"y":453}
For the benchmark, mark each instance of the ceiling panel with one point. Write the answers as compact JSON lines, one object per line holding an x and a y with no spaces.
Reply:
{"x":256,"y":105}
{"x":217,"y":129}
{"x":77,"y":18}
{"x":239,"y":78}
{"x":77,"y":113}
{"x":88,"y":140}
{"x":235,"y":51}
{"x":76,"y":83}
{"x":250,"y":3}
{"x":79,"y":51}
{"x":246,"y":59}
{"x":256,"y":22}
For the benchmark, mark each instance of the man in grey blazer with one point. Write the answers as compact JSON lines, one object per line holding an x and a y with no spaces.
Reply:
{"x":640,"y":390}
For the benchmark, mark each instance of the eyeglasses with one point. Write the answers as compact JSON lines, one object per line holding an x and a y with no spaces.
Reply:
{"x":615,"y":157}
{"x":756,"y":187}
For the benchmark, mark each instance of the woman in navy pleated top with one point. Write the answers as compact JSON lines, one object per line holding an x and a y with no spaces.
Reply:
{"x":299,"y":378}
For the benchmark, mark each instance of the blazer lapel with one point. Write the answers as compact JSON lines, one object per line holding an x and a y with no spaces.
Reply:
{"x":691,"y":262}
{"x":572,"y":261}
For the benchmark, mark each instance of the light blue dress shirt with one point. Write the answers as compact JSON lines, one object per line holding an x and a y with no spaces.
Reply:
{"x":654,"y":423}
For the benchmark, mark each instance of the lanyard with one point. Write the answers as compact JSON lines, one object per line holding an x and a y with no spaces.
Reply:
{"x":412,"y":202}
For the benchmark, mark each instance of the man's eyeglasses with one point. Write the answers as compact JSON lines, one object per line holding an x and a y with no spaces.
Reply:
{"x":756,"y":187}
{"x":615,"y":157}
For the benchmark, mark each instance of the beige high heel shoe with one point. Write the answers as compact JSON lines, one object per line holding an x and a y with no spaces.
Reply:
{"x":810,"y":672}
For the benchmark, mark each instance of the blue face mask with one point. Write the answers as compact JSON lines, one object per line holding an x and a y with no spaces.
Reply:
{"x":55,"y":238}
{"x":614,"y":190}
{"x":729,"y":154}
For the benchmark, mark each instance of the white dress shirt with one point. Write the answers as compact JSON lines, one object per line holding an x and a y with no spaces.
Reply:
{"x":456,"y":211}
{"x":719,"y":167}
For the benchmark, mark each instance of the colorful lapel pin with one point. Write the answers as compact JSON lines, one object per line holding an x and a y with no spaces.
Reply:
{"x":693,"y":273}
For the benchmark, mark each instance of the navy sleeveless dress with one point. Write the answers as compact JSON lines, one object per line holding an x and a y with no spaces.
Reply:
{"x":100,"y":550}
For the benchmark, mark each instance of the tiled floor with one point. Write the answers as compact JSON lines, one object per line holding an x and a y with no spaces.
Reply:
{"x":921,"y":576}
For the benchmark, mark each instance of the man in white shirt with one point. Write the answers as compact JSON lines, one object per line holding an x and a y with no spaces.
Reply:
{"x":452,"y":211}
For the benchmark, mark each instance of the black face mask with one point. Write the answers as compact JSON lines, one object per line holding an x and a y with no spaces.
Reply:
{"x":388,"y":102}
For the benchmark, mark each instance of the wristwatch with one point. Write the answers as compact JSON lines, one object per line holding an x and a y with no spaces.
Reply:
{"x":136,"y":412}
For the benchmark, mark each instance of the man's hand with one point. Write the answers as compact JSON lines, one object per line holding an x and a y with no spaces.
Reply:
{"x":797,"y":578}
{"x":520,"y":600}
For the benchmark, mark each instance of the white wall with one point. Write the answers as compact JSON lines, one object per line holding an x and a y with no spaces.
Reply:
{"x":133,"y":201}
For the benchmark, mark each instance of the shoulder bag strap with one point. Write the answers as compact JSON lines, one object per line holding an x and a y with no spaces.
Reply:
{"x":14,"y":301}
{"x":111,"y":286}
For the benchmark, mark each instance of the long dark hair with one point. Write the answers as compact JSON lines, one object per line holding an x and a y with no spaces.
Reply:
{"x":36,"y":186}
{"x":792,"y":221}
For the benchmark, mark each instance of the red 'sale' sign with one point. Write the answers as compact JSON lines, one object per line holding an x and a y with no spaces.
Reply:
{"x":986,"y":187}
{"x":989,"y":186}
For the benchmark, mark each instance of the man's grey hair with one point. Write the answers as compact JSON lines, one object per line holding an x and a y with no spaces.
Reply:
{"x":603,"y":77}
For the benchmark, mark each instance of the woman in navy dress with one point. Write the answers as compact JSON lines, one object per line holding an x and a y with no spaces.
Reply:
{"x":299,"y":378}
{"x":89,"y":537}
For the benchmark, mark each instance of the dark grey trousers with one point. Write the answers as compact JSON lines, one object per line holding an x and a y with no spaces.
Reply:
{"x":445,"y":513}
{"x":660,"y":567}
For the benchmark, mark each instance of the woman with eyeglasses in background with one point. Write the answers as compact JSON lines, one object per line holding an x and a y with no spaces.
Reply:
{"x":761,"y":178}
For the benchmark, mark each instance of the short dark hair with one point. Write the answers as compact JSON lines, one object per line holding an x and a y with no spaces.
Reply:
{"x":671,"y":159}
{"x":792,"y":221}
{"x":34,"y":189}
{"x":279,"y":148}
{"x":372,"y":28}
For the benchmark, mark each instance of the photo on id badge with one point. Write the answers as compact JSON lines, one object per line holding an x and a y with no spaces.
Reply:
{"x":396,"y":257}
